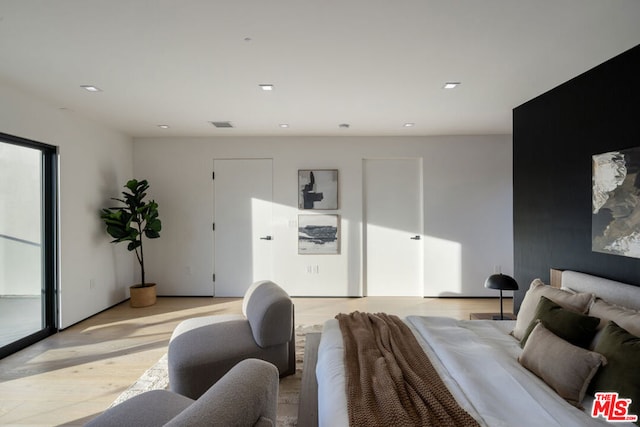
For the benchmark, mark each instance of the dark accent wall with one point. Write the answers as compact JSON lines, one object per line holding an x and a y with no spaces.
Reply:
{"x":554,"y":137}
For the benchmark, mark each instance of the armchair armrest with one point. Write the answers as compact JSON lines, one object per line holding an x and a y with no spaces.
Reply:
{"x":246,"y":396}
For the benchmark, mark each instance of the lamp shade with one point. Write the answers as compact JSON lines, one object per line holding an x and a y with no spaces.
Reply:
{"x":502,"y":282}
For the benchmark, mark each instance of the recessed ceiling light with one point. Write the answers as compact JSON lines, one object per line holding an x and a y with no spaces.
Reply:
{"x":91,"y":88}
{"x":451,"y":85}
{"x":267,"y":87}
{"x":284,"y":125}
{"x":409,"y":125}
{"x":163,"y":126}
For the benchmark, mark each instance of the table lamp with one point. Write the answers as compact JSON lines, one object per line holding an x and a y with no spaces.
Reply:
{"x":503,"y":283}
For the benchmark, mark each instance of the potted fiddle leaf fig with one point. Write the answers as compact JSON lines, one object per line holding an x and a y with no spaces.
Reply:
{"x":130,"y":222}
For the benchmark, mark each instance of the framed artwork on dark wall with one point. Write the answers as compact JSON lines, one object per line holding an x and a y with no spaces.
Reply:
{"x":615,"y":220}
{"x":318,"y":189}
{"x":318,"y":234}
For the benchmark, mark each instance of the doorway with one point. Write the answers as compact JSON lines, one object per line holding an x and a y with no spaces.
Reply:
{"x":243,"y":248}
{"x":393,"y":227}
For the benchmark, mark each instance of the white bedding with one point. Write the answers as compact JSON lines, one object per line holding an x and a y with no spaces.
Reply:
{"x":478,"y":362}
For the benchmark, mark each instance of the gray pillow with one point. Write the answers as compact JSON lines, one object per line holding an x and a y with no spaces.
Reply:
{"x":566,"y":368}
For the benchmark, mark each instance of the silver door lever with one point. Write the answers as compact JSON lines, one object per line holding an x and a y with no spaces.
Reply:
{"x":266,"y":238}
{"x":415,"y":238}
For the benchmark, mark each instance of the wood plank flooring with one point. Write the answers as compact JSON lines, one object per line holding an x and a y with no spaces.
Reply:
{"x":74,"y":375}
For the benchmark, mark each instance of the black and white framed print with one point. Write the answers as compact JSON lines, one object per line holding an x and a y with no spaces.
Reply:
{"x":615,"y":215}
{"x":318,"y":189}
{"x":318,"y":234}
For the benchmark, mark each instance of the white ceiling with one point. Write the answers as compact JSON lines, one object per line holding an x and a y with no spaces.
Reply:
{"x":375,"y":64}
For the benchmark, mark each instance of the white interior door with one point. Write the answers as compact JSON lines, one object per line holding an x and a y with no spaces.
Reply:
{"x":393,"y":260}
{"x":243,"y":191}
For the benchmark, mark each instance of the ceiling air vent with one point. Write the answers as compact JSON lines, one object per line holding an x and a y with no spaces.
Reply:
{"x":222,"y":124}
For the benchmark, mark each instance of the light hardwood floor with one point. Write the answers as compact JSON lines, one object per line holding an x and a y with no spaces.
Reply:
{"x":74,"y":375}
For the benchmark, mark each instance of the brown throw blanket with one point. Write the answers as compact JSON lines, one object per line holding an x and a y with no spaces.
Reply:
{"x":390,"y":380}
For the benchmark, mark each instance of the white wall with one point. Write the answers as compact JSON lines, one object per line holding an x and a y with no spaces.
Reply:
{"x":94,"y":163}
{"x":467,"y":205}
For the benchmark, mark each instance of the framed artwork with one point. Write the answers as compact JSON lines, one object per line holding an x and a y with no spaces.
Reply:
{"x":318,"y":189}
{"x":318,"y":234}
{"x":615,"y":219}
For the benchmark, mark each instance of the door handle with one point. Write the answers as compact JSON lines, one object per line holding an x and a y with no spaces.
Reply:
{"x":266,"y":238}
{"x":415,"y":238}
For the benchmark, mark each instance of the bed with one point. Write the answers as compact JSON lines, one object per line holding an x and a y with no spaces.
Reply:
{"x":482,"y":362}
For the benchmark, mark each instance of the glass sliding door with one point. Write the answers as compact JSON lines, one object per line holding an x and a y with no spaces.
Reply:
{"x":27,"y":242}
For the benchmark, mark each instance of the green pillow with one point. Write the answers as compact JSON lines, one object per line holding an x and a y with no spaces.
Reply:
{"x":622,"y":372}
{"x":576,"y":328}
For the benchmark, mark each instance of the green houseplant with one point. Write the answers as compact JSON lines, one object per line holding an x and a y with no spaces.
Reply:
{"x":135,"y":219}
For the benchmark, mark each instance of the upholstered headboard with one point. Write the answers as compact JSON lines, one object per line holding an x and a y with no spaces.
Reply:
{"x":609,"y":290}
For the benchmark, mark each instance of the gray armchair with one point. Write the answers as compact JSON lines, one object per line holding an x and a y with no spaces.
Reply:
{"x":203,"y":349}
{"x":246,"y":396}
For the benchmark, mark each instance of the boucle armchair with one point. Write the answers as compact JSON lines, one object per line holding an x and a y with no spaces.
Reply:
{"x":203,"y":349}
{"x":246,"y":396}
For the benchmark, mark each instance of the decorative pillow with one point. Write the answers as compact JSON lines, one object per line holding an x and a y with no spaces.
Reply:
{"x":563,"y":366}
{"x":622,"y":373}
{"x":578,"y":302}
{"x":624,"y":317}
{"x":578,"y":329}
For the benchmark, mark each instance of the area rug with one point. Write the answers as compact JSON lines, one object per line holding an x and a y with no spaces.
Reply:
{"x":157,"y":378}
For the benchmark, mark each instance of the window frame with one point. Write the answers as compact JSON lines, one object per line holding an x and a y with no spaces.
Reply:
{"x":49,"y":185}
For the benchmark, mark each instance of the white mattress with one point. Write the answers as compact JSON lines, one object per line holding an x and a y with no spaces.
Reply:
{"x":476,"y":359}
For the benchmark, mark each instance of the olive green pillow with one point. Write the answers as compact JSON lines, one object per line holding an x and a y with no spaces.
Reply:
{"x":579,"y":302}
{"x":626,"y":318}
{"x":622,"y":373}
{"x":576,"y":328}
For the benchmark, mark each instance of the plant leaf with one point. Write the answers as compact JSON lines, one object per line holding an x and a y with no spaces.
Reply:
{"x":134,"y":244}
{"x":151,"y":234}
